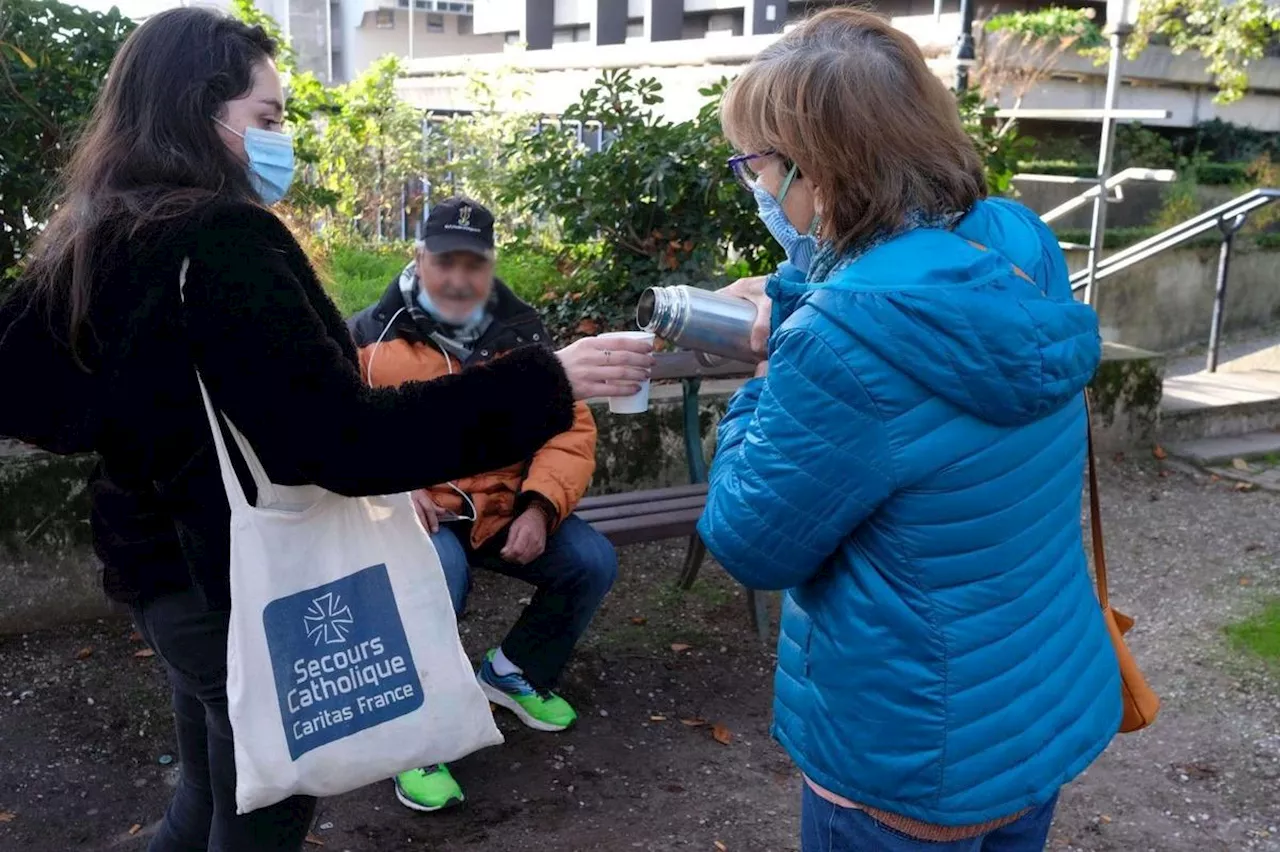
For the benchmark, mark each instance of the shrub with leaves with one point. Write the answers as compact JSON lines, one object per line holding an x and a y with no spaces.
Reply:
{"x":370,"y":143}
{"x":53,"y":58}
{"x":1229,"y":34}
{"x":1001,"y":147}
{"x":470,"y":154}
{"x":658,"y":202}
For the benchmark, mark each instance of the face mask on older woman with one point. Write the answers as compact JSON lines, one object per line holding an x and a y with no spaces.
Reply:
{"x":799,"y":247}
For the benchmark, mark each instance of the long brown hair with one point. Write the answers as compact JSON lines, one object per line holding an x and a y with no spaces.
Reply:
{"x":851,"y":101}
{"x":149,"y":151}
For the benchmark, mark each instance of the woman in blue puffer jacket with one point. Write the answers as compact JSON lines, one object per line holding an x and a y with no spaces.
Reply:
{"x":907,"y":465}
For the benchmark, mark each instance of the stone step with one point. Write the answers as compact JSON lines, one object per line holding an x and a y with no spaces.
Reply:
{"x":1219,"y":405}
{"x":1209,"y":452}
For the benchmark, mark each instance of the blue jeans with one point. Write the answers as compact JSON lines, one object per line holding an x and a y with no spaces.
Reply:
{"x":571,"y":577}
{"x":191,"y":640}
{"x":825,"y":827}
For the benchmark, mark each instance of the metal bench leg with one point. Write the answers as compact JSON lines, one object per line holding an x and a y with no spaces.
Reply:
{"x":693,"y":556}
{"x":758,"y":607}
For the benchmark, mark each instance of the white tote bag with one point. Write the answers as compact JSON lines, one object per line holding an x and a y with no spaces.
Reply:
{"x":344,"y":666}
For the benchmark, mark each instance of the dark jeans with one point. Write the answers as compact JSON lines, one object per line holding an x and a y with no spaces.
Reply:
{"x":191,"y":639}
{"x":572,"y":577}
{"x":825,"y":827}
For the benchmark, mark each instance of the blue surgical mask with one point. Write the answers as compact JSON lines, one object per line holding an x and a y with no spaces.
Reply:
{"x":473,"y":318}
{"x":270,"y":161}
{"x":799,"y":247}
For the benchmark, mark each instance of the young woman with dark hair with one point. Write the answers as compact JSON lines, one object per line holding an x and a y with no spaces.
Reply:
{"x":99,"y":351}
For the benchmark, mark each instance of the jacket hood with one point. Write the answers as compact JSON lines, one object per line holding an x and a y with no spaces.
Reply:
{"x":991,"y":328}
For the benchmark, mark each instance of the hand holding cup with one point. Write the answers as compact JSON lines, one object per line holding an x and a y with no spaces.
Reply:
{"x":608,"y":365}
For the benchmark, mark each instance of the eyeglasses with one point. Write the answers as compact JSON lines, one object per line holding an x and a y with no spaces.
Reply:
{"x":743,"y":171}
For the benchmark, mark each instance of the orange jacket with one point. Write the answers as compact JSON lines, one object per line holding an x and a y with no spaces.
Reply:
{"x":396,"y":346}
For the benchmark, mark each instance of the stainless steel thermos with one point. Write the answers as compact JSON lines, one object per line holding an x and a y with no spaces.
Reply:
{"x":706,"y":322}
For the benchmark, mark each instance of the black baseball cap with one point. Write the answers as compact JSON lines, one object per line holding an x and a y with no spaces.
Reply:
{"x":458,"y":224}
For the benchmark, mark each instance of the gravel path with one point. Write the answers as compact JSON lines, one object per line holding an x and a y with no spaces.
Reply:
{"x":85,"y":737}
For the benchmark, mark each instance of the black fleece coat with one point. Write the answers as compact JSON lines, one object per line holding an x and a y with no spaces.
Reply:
{"x":278,"y":361}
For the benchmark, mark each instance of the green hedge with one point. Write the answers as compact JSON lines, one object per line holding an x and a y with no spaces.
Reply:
{"x":1061,"y":168}
{"x":1222,"y":174}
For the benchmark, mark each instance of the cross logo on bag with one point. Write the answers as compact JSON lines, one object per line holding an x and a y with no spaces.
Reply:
{"x":349,"y":668}
{"x":328,"y":620}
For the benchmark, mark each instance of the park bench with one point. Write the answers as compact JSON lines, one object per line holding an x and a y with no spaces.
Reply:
{"x":658,"y":514}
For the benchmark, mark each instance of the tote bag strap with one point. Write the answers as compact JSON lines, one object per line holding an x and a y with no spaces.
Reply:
{"x":1095,"y":512}
{"x":230,"y":480}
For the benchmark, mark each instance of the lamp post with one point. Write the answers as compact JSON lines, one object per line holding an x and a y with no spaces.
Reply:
{"x":964,"y":45}
{"x":1121,"y":17}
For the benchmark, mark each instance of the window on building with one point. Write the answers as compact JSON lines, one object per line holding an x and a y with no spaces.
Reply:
{"x":724,"y":25}
{"x":466,"y":25}
{"x":385,"y":19}
{"x":435,"y":23}
{"x":635,"y":31}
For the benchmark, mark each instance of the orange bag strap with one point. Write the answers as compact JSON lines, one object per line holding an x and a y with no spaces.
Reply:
{"x":1095,"y":513}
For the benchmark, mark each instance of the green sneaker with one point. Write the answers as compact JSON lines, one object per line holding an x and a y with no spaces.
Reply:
{"x":428,"y":790}
{"x":539,"y":709}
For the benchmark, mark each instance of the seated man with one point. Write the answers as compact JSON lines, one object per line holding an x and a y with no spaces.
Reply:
{"x":444,"y":313}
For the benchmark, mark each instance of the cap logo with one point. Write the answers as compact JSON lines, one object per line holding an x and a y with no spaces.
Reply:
{"x":464,"y":221}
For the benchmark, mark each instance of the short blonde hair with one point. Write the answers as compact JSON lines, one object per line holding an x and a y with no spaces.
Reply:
{"x":851,"y":101}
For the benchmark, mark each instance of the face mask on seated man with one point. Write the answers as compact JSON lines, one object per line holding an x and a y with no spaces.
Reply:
{"x":447,"y":312}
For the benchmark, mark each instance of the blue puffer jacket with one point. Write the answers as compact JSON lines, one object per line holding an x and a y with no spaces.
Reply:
{"x":911,"y":472}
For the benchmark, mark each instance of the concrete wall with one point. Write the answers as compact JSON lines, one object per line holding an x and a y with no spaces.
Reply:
{"x":1167,"y":302}
{"x":1140,"y":206}
{"x":365,"y":42}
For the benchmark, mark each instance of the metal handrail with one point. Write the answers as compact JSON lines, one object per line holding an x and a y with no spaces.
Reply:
{"x":1228,"y":218}
{"x":1113,"y":182}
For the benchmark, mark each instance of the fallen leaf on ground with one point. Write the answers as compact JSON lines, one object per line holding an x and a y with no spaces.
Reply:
{"x":134,"y":829}
{"x":1244,"y":581}
{"x":639,"y":620}
{"x":1240,"y":464}
{"x":1215,"y":478}
{"x":1159,"y":453}
{"x":693,"y":723}
{"x":314,"y":841}
{"x":720,"y":846}
{"x":144,"y":653}
{"x":1104,"y":819}
{"x":1244,"y":486}
{"x":680,"y":648}
{"x":5,"y":816}
{"x":84,"y":653}
{"x":722,"y":735}
{"x":657,"y":718}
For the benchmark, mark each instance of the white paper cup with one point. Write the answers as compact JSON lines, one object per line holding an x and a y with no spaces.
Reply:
{"x":638,"y":402}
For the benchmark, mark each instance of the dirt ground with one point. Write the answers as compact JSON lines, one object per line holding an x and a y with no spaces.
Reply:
{"x":86,"y":748}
